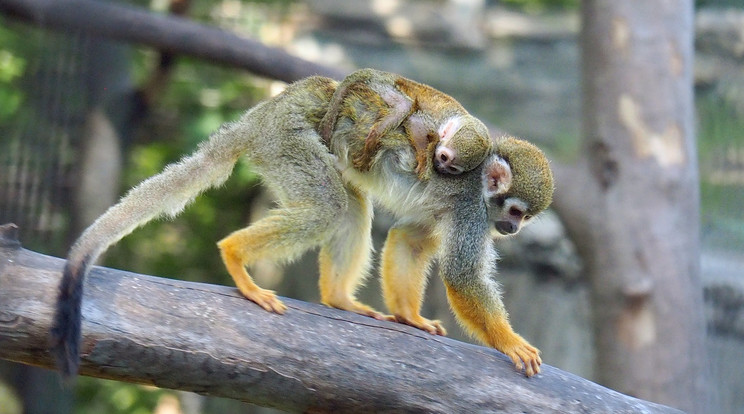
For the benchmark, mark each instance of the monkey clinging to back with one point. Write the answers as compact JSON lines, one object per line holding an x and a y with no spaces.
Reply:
{"x":441,"y":132}
{"x":445,"y":217}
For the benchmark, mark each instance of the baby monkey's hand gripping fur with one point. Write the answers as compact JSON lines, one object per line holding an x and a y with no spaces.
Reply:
{"x":441,"y":132}
{"x":445,"y":217}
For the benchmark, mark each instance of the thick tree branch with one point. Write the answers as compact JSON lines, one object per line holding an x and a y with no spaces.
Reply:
{"x":164,"y":32}
{"x":208,"y":339}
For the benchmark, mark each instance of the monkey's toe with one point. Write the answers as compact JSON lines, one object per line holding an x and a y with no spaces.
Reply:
{"x":351,"y":305}
{"x":267,"y":300}
{"x":434,"y":327}
{"x":381,"y":316}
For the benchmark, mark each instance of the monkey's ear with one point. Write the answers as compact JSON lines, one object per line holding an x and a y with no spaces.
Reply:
{"x":497,"y":177}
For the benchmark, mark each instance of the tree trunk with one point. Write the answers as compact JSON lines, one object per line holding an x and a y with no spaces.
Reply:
{"x":635,"y":202}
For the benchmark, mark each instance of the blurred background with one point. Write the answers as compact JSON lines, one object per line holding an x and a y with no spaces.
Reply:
{"x":83,"y":118}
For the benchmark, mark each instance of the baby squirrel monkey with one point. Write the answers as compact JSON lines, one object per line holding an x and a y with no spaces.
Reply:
{"x":439,"y":129}
{"x":446,"y":216}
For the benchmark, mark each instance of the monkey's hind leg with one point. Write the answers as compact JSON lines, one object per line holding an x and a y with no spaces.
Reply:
{"x":284,"y":234}
{"x":405,"y":260}
{"x":345,"y":258}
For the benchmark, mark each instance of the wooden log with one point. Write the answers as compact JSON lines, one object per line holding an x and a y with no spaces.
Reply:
{"x":208,"y":339}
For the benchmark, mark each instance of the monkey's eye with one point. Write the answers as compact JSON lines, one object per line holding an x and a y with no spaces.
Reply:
{"x":443,"y":157}
{"x":527,"y":216}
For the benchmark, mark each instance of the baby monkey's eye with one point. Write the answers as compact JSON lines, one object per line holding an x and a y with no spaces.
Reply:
{"x":528,"y":216}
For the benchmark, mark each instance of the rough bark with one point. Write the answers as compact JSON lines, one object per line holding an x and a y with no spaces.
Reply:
{"x":208,"y":339}
{"x":632,"y":204}
{"x":166,"y":33}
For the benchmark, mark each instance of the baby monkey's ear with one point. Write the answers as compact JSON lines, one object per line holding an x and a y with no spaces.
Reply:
{"x":497,"y":177}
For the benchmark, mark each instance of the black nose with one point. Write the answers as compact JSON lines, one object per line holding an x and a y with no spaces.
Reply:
{"x":506,"y":227}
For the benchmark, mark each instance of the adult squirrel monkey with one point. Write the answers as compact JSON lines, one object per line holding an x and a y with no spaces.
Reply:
{"x":439,"y":129}
{"x":321,"y":206}
{"x":445,"y":217}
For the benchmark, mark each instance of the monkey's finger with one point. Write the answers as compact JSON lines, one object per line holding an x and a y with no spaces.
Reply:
{"x":536,"y":365}
{"x":518,"y":364}
{"x":529,"y":359}
{"x":531,"y":367}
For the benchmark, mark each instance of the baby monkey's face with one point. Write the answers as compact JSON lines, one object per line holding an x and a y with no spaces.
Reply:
{"x":463,"y":145}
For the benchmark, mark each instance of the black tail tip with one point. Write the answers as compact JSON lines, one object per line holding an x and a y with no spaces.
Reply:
{"x":65,"y":348}
{"x":65,"y":332}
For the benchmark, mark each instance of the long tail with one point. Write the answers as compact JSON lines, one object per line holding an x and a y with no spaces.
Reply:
{"x":164,"y":194}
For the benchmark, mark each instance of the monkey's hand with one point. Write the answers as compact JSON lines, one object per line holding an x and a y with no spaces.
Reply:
{"x":434,"y":327}
{"x":492,"y":327}
{"x":423,"y":170}
{"x":363,"y":161}
{"x":524,"y":356}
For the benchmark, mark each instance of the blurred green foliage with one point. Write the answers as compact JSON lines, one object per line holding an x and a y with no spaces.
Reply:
{"x":9,"y":401}
{"x":97,"y":396}
{"x":12,"y":68}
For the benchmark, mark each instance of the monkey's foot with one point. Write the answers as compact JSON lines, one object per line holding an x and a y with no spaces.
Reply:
{"x":265,"y":299}
{"x":434,"y":327}
{"x":356,"y":307}
{"x":523,"y":355}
